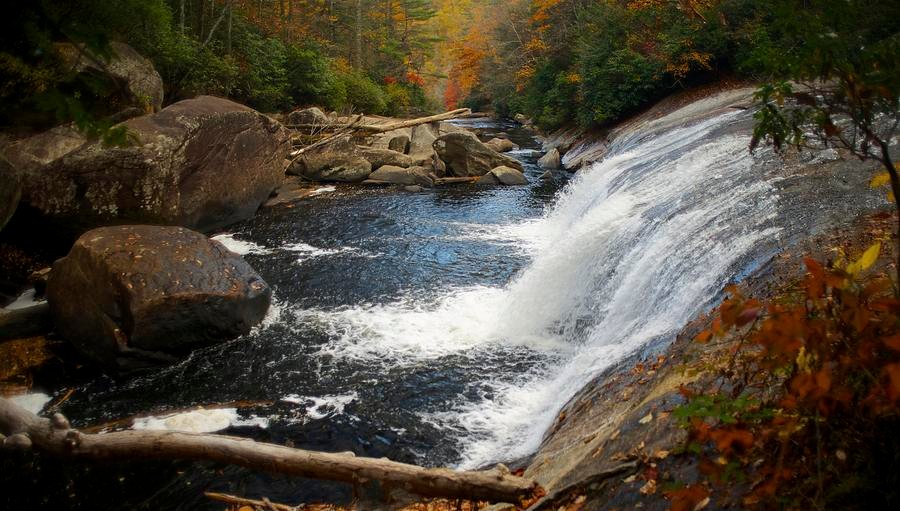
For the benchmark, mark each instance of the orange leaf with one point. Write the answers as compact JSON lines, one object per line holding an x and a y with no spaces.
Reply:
{"x":687,"y":498}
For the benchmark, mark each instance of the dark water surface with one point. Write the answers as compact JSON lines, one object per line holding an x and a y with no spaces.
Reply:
{"x":346,"y":248}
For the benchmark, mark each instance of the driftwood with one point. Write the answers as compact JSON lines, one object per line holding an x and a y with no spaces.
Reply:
{"x":24,"y":430}
{"x":240,"y":501}
{"x":391,"y":126}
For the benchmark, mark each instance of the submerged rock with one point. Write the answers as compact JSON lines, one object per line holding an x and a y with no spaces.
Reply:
{"x":202,"y":163}
{"x":465,"y":155}
{"x":551,"y":160}
{"x":134,"y":297}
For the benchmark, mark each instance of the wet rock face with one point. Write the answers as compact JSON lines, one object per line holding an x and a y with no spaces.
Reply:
{"x":135,"y":297}
{"x":465,"y":155}
{"x":202,"y":163}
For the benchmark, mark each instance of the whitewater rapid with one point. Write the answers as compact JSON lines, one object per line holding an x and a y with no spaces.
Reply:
{"x":634,"y":247}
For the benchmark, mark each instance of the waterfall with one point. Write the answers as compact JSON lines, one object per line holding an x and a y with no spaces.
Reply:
{"x":635,"y":246}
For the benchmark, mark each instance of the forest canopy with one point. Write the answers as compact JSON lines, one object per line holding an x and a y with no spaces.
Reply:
{"x":559,"y":62}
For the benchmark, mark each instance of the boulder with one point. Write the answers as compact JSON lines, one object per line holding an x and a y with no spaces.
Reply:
{"x":465,"y":155}
{"x":551,"y":160}
{"x":311,"y":115}
{"x":509,"y":176}
{"x":399,"y":143}
{"x":421,"y":145}
{"x":401,"y":176}
{"x":501,"y":145}
{"x":414,"y":188}
{"x":338,"y":161}
{"x":488,"y":179}
{"x":10,"y":191}
{"x":30,"y":155}
{"x":382,"y":157}
{"x":201,"y":163}
{"x":134,"y":297}
{"x":127,"y":66}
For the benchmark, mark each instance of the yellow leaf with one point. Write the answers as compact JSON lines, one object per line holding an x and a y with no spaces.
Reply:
{"x":880,"y":179}
{"x":890,"y":196}
{"x":866,"y":260}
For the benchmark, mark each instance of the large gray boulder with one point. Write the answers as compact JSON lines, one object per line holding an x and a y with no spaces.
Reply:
{"x":338,"y":161}
{"x":465,"y":155}
{"x":10,"y":191}
{"x":312,"y":115}
{"x":201,"y":163}
{"x":134,"y":297}
{"x":127,"y":66}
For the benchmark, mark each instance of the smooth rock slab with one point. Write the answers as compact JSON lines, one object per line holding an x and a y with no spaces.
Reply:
{"x":134,"y":297}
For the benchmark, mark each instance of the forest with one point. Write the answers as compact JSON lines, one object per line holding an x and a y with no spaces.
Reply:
{"x":558,"y":62}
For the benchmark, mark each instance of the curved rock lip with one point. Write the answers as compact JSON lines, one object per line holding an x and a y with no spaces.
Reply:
{"x":134,"y":297}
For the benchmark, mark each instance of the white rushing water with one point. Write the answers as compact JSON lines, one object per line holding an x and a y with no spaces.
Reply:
{"x":636,"y":245}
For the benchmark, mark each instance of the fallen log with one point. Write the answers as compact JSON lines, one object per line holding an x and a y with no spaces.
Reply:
{"x":240,"y":501}
{"x":23,"y":430}
{"x":391,"y":126}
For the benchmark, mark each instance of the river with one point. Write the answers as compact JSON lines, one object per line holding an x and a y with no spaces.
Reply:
{"x":449,"y":327}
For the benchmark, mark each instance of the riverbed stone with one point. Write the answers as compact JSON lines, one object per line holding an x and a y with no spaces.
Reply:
{"x":381,"y":157}
{"x":551,"y":160}
{"x":465,"y":155}
{"x":501,"y":145}
{"x":509,"y":176}
{"x":401,"y":176}
{"x":201,"y":163}
{"x":399,"y":143}
{"x":135,"y":297}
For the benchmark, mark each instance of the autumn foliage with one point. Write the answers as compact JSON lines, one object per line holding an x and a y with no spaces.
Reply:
{"x":805,"y":413}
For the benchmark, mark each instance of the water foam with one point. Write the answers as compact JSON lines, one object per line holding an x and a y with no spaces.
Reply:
{"x":241,"y":247}
{"x":636,"y":245}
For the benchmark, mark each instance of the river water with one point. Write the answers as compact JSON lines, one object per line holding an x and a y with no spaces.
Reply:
{"x":449,"y":327}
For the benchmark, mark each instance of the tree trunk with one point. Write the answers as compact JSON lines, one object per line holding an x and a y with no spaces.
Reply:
{"x":895,"y":190}
{"x":55,"y":437}
{"x":357,"y":37}
{"x":383,"y":128}
{"x":228,"y":32}
{"x":181,"y":15}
